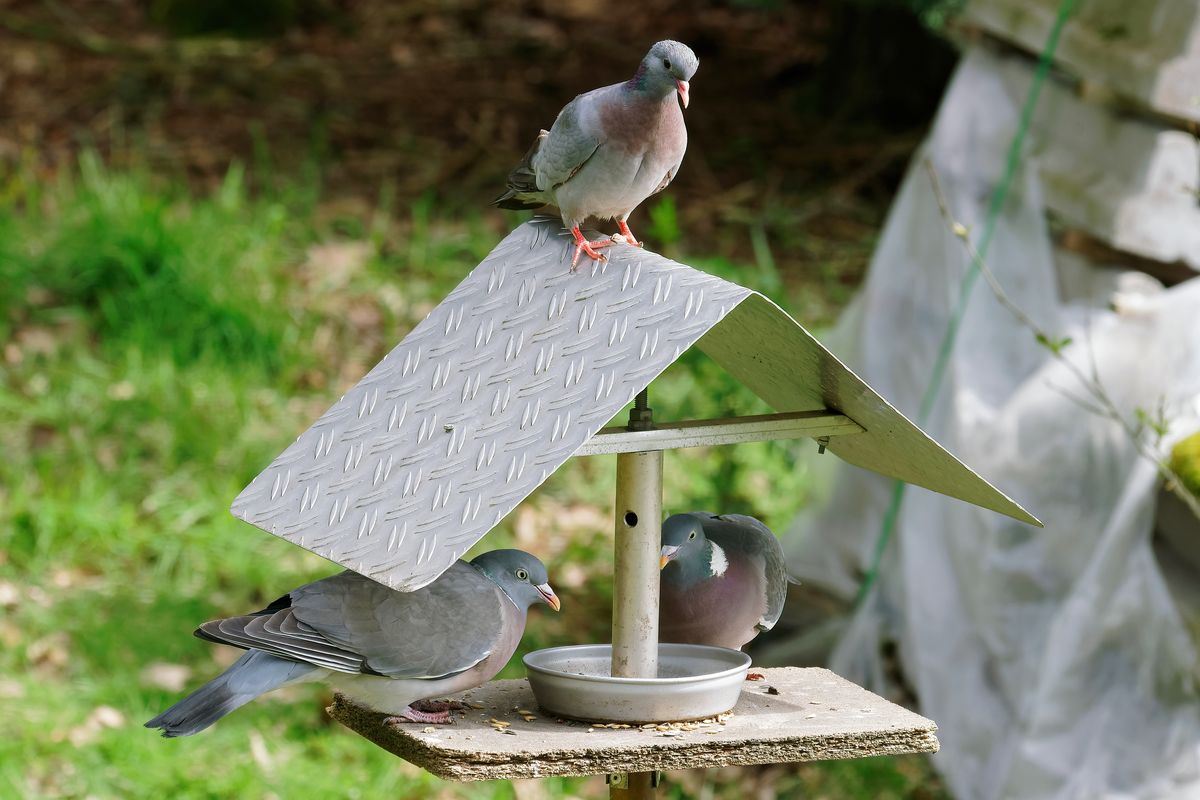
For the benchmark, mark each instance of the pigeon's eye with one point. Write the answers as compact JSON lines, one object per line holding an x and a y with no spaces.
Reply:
{"x":522,"y":575}
{"x":692,"y":535}
{"x":667,"y":63}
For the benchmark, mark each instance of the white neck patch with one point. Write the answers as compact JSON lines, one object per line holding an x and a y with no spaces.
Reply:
{"x":719,"y":563}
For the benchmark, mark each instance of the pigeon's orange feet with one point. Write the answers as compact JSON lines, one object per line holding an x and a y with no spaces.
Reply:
{"x":582,"y":245}
{"x":413,"y":714}
{"x":627,"y":234}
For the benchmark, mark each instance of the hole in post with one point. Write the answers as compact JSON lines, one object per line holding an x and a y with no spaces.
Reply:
{"x":631,"y":519}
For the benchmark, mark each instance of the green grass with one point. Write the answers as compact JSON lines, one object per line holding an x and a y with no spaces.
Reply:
{"x":158,"y":350}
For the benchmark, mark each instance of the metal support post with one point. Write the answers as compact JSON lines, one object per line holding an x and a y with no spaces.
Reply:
{"x":635,"y":577}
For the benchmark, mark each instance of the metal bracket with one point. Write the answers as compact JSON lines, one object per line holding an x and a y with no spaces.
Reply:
{"x":620,"y":780}
{"x":641,"y":416}
{"x":710,"y":432}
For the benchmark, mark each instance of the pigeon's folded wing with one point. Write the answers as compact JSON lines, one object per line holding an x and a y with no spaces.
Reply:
{"x":569,"y":145}
{"x":756,"y":541}
{"x":349,"y":623}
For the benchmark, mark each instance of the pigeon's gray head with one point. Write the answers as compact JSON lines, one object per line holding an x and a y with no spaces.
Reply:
{"x":682,"y":539}
{"x":522,"y":577}
{"x":667,"y":68}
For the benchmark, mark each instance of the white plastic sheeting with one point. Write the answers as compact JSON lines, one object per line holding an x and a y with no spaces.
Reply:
{"x":1054,"y":661}
{"x":1146,"y":52}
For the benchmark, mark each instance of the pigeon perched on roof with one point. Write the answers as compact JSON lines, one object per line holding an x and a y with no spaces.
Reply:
{"x":723,"y":580}
{"x":388,"y":650}
{"x":610,"y":149}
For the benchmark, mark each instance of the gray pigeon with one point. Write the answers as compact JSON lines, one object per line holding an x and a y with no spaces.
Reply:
{"x":723,"y":580}
{"x":610,"y":149}
{"x":386,"y":649}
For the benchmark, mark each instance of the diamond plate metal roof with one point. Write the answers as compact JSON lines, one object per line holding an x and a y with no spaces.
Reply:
{"x":514,"y":371}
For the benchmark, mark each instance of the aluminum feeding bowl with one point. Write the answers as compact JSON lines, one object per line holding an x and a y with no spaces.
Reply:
{"x":694,"y":682}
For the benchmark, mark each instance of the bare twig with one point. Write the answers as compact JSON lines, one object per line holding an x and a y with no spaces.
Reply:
{"x":1083,"y":403}
{"x":1101,"y":403}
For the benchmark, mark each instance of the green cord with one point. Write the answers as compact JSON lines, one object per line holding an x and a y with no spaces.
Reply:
{"x":999,"y":197}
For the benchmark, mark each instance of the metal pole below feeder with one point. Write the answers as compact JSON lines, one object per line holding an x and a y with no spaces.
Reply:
{"x":635,"y":578}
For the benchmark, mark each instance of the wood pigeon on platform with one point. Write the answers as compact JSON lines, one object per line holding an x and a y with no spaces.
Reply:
{"x":610,"y":149}
{"x":385,"y":649}
{"x":724,"y":579}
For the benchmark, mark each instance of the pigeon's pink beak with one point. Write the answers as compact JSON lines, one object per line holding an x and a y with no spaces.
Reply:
{"x":683,"y":91}
{"x":668,"y":552}
{"x":548,"y":595}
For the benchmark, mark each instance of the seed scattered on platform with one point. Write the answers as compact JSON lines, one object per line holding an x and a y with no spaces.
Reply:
{"x":811,"y":716}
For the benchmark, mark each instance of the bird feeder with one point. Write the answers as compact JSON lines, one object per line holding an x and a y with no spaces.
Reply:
{"x":514,"y":372}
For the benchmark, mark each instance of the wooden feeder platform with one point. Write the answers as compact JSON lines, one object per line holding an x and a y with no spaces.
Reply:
{"x":792,"y":714}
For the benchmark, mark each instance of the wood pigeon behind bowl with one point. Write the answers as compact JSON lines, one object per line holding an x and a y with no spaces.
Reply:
{"x":724,"y":579}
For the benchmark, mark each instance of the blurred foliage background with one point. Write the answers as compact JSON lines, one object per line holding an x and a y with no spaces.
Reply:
{"x":217,"y":216}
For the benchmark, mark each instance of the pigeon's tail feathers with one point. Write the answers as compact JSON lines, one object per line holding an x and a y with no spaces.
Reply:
{"x":522,"y":191}
{"x":517,"y":201}
{"x":253,"y":674}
